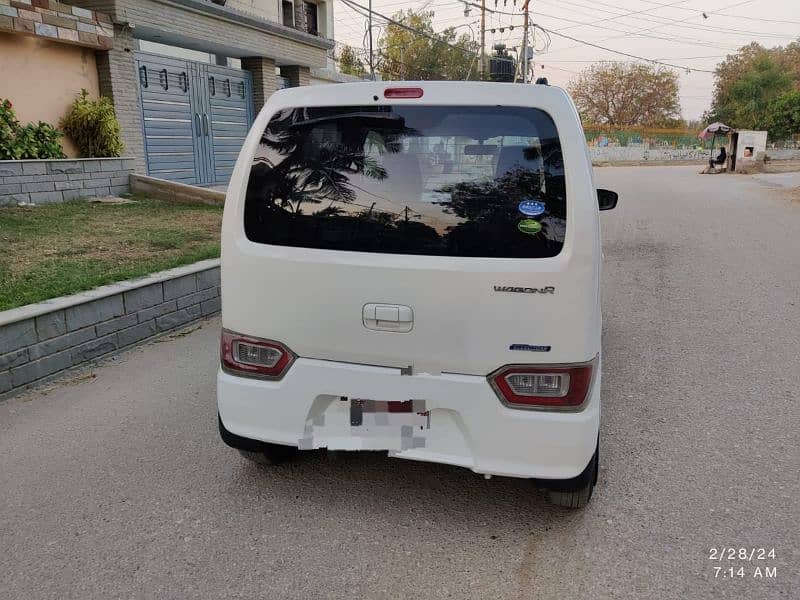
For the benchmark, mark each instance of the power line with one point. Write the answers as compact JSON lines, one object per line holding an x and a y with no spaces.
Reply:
{"x":591,"y":60}
{"x":438,"y":40}
{"x":635,"y":12}
{"x":628,"y":32}
{"x":650,"y":29}
{"x":639,"y":31}
{"x":438,"y":21}
{"x":650,"y":60}
{"x":666,"y":21}
{"x":719,"y":13}
{"x":363,"y":55}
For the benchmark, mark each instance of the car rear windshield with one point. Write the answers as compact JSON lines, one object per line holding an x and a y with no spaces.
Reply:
{"x":483,"y":181}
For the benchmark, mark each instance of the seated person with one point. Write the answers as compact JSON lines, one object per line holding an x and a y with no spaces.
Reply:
{"x":720,"y":160}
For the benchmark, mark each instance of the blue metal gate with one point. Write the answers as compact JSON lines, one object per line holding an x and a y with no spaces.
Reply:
{"x":195,"y":118}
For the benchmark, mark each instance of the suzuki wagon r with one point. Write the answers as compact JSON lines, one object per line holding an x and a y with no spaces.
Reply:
{"x":414,"y":267}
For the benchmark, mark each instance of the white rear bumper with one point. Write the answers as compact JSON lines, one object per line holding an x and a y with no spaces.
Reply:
{"x":469,"y":427}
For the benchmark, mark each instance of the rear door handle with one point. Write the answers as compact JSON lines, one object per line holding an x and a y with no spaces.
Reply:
{"x":388,"y":317}
{"x":205,"y":125}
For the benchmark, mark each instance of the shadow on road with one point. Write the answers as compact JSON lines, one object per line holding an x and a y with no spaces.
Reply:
{"x":332,"y":480}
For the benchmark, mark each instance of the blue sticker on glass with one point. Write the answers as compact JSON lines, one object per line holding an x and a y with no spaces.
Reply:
{"x":531,"y":208}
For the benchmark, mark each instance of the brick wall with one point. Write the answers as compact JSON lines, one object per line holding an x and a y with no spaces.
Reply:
{"x":265,"y":82}
{"x":205,"y":22}
{"x":296,"y":75}
{"x":116,"y":70}
{"x":299,"y":15}
{"x":266,"y":9}
{"x":39,"y":346}
{"x":55,"y":20}
{"x":42,"y":181}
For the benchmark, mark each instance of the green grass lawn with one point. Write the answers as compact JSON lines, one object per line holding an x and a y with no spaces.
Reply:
{"x":58,"y":249}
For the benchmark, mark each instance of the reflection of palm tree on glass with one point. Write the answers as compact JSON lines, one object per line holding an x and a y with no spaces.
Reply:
{"x":319,"y":155}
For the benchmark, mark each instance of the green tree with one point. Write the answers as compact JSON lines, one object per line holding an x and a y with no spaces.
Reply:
{"x":783,"y":116}
{"x":749,"y":96}
{"x":627,"y":95}
{"x":404,"y":54}
{"x":350,"y":63}
{"x":747,"y":82}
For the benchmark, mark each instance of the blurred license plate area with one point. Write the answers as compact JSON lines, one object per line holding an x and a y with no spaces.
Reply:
{"x":389,"y":425}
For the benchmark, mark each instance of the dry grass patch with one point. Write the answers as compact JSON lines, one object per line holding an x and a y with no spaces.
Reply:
{"x":59,"y":249}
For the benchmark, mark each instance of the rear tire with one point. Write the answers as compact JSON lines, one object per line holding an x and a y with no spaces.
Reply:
{"x":270,"y":455}
{"x":262,"y":453}
{"x":576,"y":492}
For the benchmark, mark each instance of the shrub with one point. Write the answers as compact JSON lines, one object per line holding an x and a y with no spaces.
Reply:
{"x":39,"y":141}
{"x":8,"y":129}
{"x":25,"y":142}
{"x":93,"y":127}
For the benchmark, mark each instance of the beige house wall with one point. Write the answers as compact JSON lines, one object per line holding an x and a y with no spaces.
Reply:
{"x":266,"y":9}
{"x":42,"y":78}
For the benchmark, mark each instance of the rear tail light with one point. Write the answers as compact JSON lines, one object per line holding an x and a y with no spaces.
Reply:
{"x":403,"y":92}
{"x":553,"y":387}
{"x":254,"y":357}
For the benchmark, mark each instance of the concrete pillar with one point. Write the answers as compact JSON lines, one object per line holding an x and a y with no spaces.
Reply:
{"x":116,"y":70}
{"x":297,"y":75}
{"x":265,"y":82}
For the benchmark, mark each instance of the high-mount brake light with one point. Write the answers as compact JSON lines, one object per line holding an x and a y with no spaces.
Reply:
{"x":403,"y":92}
{"x":254,"y":357}
{"x":543,"y":387}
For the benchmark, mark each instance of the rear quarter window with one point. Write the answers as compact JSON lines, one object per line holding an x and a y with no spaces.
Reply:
{"x":429,"y":180}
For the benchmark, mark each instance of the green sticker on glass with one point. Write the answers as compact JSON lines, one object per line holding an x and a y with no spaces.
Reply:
{"x":529,"y":226}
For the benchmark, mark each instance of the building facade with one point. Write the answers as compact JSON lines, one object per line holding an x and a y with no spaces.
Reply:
{"x":186,"y":76}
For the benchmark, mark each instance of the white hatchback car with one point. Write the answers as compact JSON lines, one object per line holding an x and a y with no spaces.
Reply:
{"x":415,"y":268}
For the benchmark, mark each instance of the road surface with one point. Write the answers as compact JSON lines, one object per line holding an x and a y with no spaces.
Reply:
{"x":117,"y":486}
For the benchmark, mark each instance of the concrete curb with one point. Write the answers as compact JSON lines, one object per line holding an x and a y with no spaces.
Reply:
{"x":82,"y":371}
{"x":40,"y":340}
{"x":171,"y":191}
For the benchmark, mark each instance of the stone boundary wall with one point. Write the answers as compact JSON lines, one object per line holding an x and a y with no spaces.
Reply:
{"x":57,"y":180}
{"x":637,"y":153}
{"x":39,"y":341}
{"x":643,"y":153}
{"x":783,"y":153}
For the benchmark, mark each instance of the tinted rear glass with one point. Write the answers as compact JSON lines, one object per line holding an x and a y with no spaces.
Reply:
{"x":433,"y":180}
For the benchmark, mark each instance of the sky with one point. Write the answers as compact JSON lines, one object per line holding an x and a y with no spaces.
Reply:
{"x":672,"y":31}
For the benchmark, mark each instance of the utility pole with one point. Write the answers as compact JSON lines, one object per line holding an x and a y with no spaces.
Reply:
{"x":371,"y":59}
{"x":483,"y":39}
{"x":525,"y":43}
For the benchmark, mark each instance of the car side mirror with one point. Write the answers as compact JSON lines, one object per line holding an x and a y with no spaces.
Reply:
{"x":606,"y":199}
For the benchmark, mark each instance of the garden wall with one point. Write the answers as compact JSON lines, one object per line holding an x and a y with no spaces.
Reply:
{"x":783,"y":153}
{"x":42,"y":181}
{"x":39,"y":341}
{"x":647,"y":153}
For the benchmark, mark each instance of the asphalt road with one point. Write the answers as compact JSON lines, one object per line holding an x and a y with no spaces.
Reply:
{"x":117,"y":486}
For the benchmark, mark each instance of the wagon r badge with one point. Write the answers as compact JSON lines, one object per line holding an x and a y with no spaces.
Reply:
{"x":530,"y":348}
{"x":525,"y":290}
